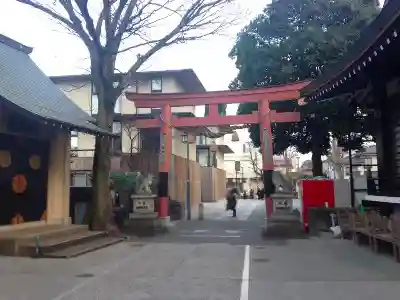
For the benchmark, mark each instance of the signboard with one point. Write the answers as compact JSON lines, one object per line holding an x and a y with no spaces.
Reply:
{"x":237,"y":166}
{"x":143,"y":205}
{"x":162,"y":148}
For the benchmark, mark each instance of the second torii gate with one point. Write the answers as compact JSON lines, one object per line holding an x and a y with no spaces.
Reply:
{"x":264,"y":117}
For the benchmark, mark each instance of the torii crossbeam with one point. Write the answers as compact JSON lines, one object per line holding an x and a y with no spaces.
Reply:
{"x":264,"y":117}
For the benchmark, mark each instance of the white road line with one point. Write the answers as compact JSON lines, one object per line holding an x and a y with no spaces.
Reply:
{"x":244,"y":289}
{"x":232,"y":231}
{"x":201,"y":231}
{"x":209,"y":236}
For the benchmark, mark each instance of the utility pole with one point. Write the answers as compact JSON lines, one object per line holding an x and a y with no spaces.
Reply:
{"x":242,"y":180}
{"x":186,"y":140}
{"x":237,"y":170}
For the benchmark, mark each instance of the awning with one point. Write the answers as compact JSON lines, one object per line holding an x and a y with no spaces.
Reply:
{"x":221,"y":148}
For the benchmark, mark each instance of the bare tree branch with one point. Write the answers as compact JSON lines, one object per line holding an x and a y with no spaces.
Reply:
{"x":137,"y":46}
{"x":125,"y":19}
{"x":133,"y":135}
{"x":106,"y":12}
{"x":69,"y":23}
{"x":194,"y":18}
{"x":121,"y":26}
{"x":82,"y":5}
{"x":255,"y":160}
{"x":100,"y":21}
{"x":73,"y":87}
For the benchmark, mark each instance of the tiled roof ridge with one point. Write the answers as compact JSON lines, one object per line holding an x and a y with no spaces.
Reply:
{"x":14,"y":44}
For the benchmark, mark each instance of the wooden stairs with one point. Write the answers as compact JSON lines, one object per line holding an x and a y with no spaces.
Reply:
{"x":53,"y":241}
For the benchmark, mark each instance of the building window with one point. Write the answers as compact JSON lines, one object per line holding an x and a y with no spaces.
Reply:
{"x":134,"y":87}
{"x":246,"y":148}
{"x":78,"y":180}
{"x":116,"y":143}
{"x":117,"y":107}
{"x":81,"y":179}
{"x":117,"y":128}
{"x":94,"y":101}
{"x":74,"y":140}
{"x":156,"y":85}
{"x":94,"y":105}
{"x":202,"y":140}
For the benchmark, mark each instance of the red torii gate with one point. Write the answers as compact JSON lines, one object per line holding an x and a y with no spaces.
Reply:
{"x":264,"y":117}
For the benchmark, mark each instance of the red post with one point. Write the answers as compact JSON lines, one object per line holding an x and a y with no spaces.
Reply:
{"x":164,"y":161}
{"x":267,"y":155}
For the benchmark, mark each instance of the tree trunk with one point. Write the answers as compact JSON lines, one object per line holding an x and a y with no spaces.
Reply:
{"x":316,"y":139}
{"x":101,"y":209}
{"x":316,"y":163}
{"x":316,"y":153}
{"x":101,"y":212}
{"x":336,"y":160}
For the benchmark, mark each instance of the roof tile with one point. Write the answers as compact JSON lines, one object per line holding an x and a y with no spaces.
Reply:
{"x":26,"y":86}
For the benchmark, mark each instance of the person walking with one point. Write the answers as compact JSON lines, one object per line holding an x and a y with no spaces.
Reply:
{"x":251,"y":193}
{"x":231,"y":200}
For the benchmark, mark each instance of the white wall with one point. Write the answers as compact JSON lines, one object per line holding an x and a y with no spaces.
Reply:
{"x":81,"y":94}
{"x":179,"y":148}
{"x":220,"y":160}
{"x":203,"y":157}
{"x":247,"y":155}
{"x":169,"y":85}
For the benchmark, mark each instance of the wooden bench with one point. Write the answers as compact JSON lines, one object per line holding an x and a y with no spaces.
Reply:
{"x":344,"y":221}
{"x":395,"y":228}
{"x":388,"y":230}
{"x":372,"y":225}
{"x":361,"y":226}
{"x":382,"y":233}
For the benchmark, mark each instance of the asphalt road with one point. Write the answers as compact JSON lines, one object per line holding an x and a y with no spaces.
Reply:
{"x":218,"y":258}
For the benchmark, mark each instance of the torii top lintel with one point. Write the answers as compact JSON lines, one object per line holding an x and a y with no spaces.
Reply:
{"x":269,"y":94}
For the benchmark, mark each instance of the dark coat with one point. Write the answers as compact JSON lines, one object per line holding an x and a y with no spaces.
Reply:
{"x":231,"y":199}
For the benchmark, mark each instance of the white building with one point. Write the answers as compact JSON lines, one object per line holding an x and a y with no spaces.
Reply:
{"x":250,"y":160}
{"x":81,"y":91}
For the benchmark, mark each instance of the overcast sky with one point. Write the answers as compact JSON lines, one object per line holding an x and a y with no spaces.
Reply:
{"x":58,"y":53}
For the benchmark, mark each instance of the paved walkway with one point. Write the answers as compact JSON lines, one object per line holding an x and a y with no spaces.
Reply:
{"x":219,"y":258}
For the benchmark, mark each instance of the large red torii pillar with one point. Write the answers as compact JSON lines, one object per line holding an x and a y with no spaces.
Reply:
{"x":264,"y":117}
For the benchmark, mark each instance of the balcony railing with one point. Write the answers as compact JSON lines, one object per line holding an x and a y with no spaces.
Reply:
{"x":82,"y":152}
